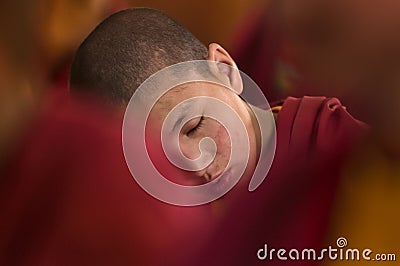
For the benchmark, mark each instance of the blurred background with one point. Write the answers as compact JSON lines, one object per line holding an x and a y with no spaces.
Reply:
{"x":345,"y":48}
{"x":287,"y":47}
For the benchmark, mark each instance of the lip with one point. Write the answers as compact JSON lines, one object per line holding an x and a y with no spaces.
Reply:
{"x":207,"y":177}
{"x":210,"y":178}
{"x":216,"y":176}
{"x":222,"y":182}
{"x":223,"y":176}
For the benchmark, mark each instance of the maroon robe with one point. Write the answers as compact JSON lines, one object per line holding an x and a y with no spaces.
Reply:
{"x":292,"y":208}
{"x":67,"y":197}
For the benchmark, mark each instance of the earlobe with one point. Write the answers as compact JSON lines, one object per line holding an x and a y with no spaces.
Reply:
{"x":226,"y":66}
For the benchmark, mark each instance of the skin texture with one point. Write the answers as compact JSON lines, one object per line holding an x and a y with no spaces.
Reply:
{"x":198,"y":128}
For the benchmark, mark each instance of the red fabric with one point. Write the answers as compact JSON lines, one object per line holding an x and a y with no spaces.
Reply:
{"x":257,"y":50}
{"x":67,"y":197}
{"x":292,"y":208}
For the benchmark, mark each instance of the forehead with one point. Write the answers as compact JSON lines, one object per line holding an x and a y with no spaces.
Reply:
{"x":189,"y":90}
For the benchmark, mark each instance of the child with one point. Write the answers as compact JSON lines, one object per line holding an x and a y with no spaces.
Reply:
{"x":313,"y":133}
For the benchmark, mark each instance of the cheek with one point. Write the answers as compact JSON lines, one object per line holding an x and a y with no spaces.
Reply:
{"x":190,"y":145}
{"x":223,"y":143}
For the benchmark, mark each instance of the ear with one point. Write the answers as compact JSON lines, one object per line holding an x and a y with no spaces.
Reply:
{"x":226,"y":68}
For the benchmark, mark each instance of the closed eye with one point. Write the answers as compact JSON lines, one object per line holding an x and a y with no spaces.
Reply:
{"x":196,"y":127}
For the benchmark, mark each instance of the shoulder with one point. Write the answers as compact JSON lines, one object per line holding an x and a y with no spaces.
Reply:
{"x":317,"y":124}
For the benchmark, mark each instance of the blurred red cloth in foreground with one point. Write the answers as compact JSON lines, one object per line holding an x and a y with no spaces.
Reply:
{"x":67,"y":197}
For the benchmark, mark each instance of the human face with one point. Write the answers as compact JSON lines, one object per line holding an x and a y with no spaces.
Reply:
{"x":201,"y":127}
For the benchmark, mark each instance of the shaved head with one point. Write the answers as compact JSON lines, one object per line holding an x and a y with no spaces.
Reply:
{"x":127,"y":48}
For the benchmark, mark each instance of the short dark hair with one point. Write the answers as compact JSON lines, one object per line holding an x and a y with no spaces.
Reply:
{"x":128,"y":47}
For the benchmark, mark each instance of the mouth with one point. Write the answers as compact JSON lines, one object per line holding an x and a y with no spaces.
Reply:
{"x":216,"y":175}
{"x":223,"y":177}
{"x":210,"y":178}
{"x":222,"y":181}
